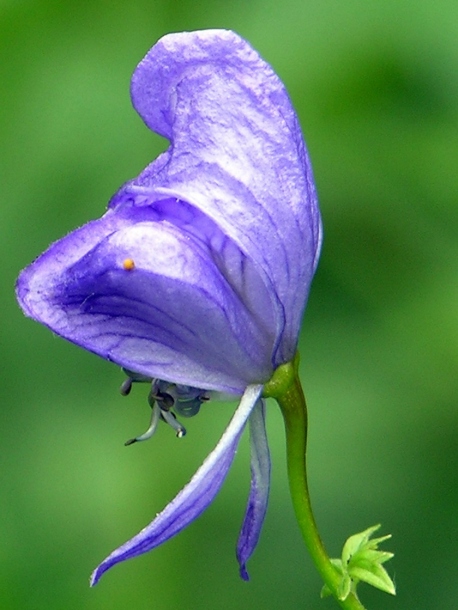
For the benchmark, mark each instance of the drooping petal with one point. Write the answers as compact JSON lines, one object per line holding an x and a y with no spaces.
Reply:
{"x":173,"y":315}
{"x":259,"y":492}
{"x":237,"y":154}
{"x":195,"y":497}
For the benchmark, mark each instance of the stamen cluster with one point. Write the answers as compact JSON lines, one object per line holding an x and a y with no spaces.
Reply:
{"x":165,"y":399}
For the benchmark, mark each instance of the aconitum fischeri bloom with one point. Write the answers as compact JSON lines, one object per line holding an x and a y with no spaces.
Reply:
{"x":196,"y":277}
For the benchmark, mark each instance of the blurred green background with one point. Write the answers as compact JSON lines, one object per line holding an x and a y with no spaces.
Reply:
{"x":375,"y":84}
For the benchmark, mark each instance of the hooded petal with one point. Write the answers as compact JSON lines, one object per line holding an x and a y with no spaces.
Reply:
{"x":168,"y":316}
{"x":237,"y":154}
{"x":259,"y":492}
{"x":194,"y":498}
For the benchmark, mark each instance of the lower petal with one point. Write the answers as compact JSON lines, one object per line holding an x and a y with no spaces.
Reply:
{"x":195,"y":497}
{"x":259,"y":492}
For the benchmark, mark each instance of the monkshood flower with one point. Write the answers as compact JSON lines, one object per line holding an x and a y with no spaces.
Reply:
{"x":195,"y":279}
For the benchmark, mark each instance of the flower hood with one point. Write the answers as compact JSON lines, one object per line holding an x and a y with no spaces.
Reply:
{"x":223,"y":229}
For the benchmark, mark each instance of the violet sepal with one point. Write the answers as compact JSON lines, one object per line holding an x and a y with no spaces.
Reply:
{"x":195,"y":497}
{"x":238,"y":156}
{"x":259,"y":489}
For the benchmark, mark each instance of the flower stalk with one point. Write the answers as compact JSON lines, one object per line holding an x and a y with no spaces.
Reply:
{"x":285,"y":387}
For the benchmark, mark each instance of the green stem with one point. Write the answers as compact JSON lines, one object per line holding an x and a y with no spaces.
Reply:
{"x":288,"y":392}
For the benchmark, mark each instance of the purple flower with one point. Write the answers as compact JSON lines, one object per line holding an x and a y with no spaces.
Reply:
{"x":196,"y":277}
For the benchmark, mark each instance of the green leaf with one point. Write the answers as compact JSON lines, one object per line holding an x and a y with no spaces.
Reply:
{"x":375,"y":575}
{"x":344,"y":588}
{"x":374,"y":542}
{"x":357,"y":542}
{"x":362,"y":562}
{"x":325,"y":592}
{"x":377,"y":556}
{"x":337,"y":563}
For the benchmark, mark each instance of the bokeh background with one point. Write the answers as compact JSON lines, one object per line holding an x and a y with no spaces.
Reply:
{"x":375,"y":84}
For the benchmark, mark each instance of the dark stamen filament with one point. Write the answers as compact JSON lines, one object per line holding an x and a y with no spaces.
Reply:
{"x":155,"y":415}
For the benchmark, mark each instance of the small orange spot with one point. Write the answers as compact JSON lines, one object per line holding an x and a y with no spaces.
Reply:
{"x":128,"y":264}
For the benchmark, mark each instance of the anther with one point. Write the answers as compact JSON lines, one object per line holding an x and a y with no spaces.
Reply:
{"x":128,"y":264}
{"x":126,"y":386}
{"x":170,"y":418}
